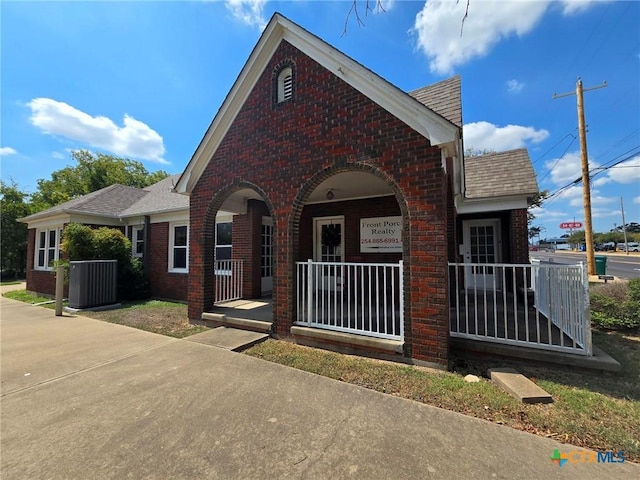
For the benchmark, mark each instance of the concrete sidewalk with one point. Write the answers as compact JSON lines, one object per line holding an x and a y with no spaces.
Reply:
{"x":86,"y":399}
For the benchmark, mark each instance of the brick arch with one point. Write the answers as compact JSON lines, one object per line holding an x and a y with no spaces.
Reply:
{"x":202,"y":280}
{"x":310,"y":186}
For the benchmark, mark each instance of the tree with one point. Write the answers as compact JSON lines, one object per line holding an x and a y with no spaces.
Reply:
{"x":577,"y":237}
{"x":536,"y":202}
{"x":535,"y":232}
{"x":91,"y":173}
{"x":13,"y":205}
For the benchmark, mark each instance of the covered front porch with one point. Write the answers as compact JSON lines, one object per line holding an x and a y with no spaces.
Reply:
{"x":529,"y":306}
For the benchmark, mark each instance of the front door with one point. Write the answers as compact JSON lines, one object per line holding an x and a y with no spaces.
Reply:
{"x":329,"y":247}
{"x":482,"y":245}
{"x":266,"y":255}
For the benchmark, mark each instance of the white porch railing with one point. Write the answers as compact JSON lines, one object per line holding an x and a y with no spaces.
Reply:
{"x":228,"y":280}
{"x":360,"y":298}
{"x":541,"y":306}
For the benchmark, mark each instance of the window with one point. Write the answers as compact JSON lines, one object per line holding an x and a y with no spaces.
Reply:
{"x":178,"y":248}
{"x":223,"y":240}
{"x":47,"y":248}
{"x":137,"y":241}
{"x":285,"y":84}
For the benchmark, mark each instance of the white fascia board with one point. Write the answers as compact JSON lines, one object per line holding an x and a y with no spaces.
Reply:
{"x":490,"y":205}
{"x":48,"y":222}
{"x":154,"y":212}
{"x":181,"y":216}
{"x":438,"y":130}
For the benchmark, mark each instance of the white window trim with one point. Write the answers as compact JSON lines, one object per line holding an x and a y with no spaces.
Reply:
{"x":134,"y":235}
{"x":47,"y":247}
{"x":172,"y":231}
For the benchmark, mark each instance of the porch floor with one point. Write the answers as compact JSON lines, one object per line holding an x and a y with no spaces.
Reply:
{"x":501,"y":321}
{"x":255,"y":309}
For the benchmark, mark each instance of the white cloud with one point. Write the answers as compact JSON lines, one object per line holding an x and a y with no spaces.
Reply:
{"x":627,"y":172}
{"x":636,"y":200}
{"x":134,"y":139}
{"x":438,"y":26}
{"x":600,"y":181}
{"x":569,"y":168}
{"x":7,"y":151}
{"x":514,"y":86}
{"x":250,"y":12}
{"x":58,"y":155}
{"x":487,"y":136}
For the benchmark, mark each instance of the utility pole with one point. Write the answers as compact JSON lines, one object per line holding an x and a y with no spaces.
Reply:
{"x":624,"y":228}
{"x":586,"y":183}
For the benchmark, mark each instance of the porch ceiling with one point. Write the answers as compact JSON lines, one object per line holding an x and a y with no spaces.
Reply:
{"x":344,"y":186}
{"x":350,"y":185}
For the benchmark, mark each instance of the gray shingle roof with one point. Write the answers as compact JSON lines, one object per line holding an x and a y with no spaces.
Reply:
{"x":444,"y":98}
{"x":500,"y":174}
{"x":106,"y":202}
{"x":117,"y":201}
{"x":158,"y":198}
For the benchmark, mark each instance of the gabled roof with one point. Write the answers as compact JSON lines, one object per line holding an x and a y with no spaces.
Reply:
{"x":158,"y":198}
{"x":500,"y":175}
{"x":106,"y":202}
{"x":120,"y":201}
{"x":443,"y":98}
{"x":425,"y":121}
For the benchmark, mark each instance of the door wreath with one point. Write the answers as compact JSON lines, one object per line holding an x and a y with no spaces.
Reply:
{"x":331,"y":236}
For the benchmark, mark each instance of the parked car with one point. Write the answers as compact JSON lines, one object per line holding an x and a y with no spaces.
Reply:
{"x":633,"y":246}
{"x":605,"y":247}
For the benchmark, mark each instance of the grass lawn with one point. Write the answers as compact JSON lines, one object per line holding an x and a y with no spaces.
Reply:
{"x":165,"y":318}
{"x":600,"y":411}
{"x":590,"y":409}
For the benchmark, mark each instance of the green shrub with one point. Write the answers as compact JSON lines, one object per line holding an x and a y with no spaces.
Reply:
{"x":77,"y":242}
{"x":133,"y":283}
{"x":111,"y":244}
{"x":616,"y":306}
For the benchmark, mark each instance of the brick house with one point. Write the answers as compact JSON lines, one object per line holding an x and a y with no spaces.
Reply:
{"x":154,"y":218}
{"x":326,"y":188}
{"x":350,"y":198}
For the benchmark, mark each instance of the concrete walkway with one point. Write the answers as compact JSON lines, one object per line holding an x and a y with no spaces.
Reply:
{"x":87,"y":399}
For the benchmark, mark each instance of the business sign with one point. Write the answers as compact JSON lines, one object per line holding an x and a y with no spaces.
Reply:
{"x":381,"y":234}
{"x":571,"y":225}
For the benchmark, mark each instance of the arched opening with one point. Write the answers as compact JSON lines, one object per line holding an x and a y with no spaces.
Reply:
{"x":348,"y":247}
{"x":238,"y":250}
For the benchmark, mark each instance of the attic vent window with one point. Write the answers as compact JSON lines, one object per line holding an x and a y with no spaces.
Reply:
{"x":285,"y":85}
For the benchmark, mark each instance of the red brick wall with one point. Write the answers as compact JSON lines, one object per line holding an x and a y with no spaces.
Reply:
{"x":172,"y":286}
{"x":285,"y":151}
{"x":519,"y":236}
{"x":39,"y":281}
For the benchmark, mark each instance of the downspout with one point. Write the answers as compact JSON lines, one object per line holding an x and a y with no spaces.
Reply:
{"x":146,"y":254}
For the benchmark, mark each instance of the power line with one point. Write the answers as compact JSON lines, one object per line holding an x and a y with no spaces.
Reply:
{"x":560,"y":158}
{"x":595,"y":171}
{"x":554,"y":146}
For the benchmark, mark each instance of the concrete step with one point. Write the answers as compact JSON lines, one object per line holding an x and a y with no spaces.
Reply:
{"x":228,"y":338}
{"x":519,"y":386}
{"x":241,"y":323}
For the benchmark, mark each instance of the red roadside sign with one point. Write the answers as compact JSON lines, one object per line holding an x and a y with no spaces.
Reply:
{"x":571,"y":225}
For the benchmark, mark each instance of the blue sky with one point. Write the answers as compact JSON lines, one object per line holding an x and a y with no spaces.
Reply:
{"x":144,"y":79}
